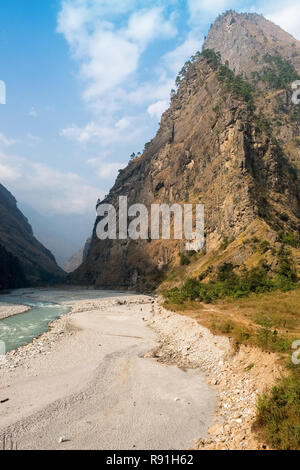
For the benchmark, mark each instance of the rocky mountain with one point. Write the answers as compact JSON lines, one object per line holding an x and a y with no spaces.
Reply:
{"x":62,"y":234}
{"x":76,"y":260}
{"x":24,"y":260}
{"x":11,"y":272}
{"x":229,"y":140}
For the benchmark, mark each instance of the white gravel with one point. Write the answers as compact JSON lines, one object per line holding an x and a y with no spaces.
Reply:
{"x":102,"y":379}
{"x":7,"y":310}
{"x":89,"y":381}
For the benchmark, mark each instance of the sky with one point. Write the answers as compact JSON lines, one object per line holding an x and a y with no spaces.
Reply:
{"x":87,"y":82}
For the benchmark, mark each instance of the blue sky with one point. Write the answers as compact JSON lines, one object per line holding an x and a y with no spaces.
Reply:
{"x":87,"y":81}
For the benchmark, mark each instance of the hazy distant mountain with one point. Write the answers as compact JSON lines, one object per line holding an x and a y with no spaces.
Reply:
{"x":76,"y":260}
{"x":63,"y":234}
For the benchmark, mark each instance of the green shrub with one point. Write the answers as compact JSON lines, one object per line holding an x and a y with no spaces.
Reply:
{"x":270,"y":340}
{"x":184,"y":259}
{"x":279,"y":414}
{"x":175,"y":296}
{"x":279,"y":73}
{"x":225,"y":271}
{"x":284,"y":217}
{"x":212,"y":57}
{"x":289,"y":238}
{"x":264,"y":246}
{"x":235,"y":83}
{"x":225,"y":243}
{"x":229,"y":284}
{"x":226,"y":328}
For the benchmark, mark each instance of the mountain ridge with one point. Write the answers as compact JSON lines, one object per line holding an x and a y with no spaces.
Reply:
{"x":229,"y":141}
{"x":30,"y":261}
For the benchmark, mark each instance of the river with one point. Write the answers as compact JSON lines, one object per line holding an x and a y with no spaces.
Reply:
{"x":18,"y":330}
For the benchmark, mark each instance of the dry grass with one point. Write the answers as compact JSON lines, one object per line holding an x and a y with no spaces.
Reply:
{"x":270,"y":321}
{"x":276,"y":310}
{"x":247,"y":320}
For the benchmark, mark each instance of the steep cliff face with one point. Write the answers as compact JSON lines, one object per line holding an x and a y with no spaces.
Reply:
{"x":24,"y":260}
{"x":11,"y":272}
{"x":228,"y":141}
{"x":244,"y":39}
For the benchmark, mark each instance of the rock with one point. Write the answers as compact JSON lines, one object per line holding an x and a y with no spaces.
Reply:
{"x":216,"y":429}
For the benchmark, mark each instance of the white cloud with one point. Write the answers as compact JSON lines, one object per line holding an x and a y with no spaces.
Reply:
{"x":175,"y":59}
{"x":108,"y":49}
{"x":199,"y":8}
{"x":123,"y":123}
{"x":106,"y":133}
{"x":156,"y":109}
{"x":89,"y":132}
{"x":106,"y":170}
{"x":7,"y":142}
{"x":286,"y":15}
{"x":146,"y":25}
{"x":8,"y":173}
{"x":112,"y":59}
{"x":45,"y":188}
{"x":109,"y":55}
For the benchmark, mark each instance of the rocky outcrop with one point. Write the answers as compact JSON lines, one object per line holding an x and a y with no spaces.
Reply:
{"x":228,"y":141}
{"x":243,"y":39}
{"x":24,"y":260}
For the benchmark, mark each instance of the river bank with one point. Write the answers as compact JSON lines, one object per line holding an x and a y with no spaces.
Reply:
{"x":7,"y":310}
{"x":88,"y":383}
{"x":121,"y":372}
{"x":238,"y":377}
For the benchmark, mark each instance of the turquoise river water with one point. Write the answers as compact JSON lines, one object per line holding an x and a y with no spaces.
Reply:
{"x":18,"y":330}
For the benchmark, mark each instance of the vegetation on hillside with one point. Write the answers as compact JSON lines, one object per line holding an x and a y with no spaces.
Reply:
{"x":279,"y":413}
{"x":259,"y":307}
{"x":228,"y":283}
{"x":233,"y":83}
{"x":279,"y":73}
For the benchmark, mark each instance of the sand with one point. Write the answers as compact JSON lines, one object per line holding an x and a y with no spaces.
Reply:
{"x":91,"y":381}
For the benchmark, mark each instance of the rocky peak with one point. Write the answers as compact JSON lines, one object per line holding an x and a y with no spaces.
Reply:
{"x":243,"y":39}
{"x":229,"y":141}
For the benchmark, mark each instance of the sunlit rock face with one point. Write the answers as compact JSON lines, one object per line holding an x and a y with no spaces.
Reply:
{"x":231,"y":143}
